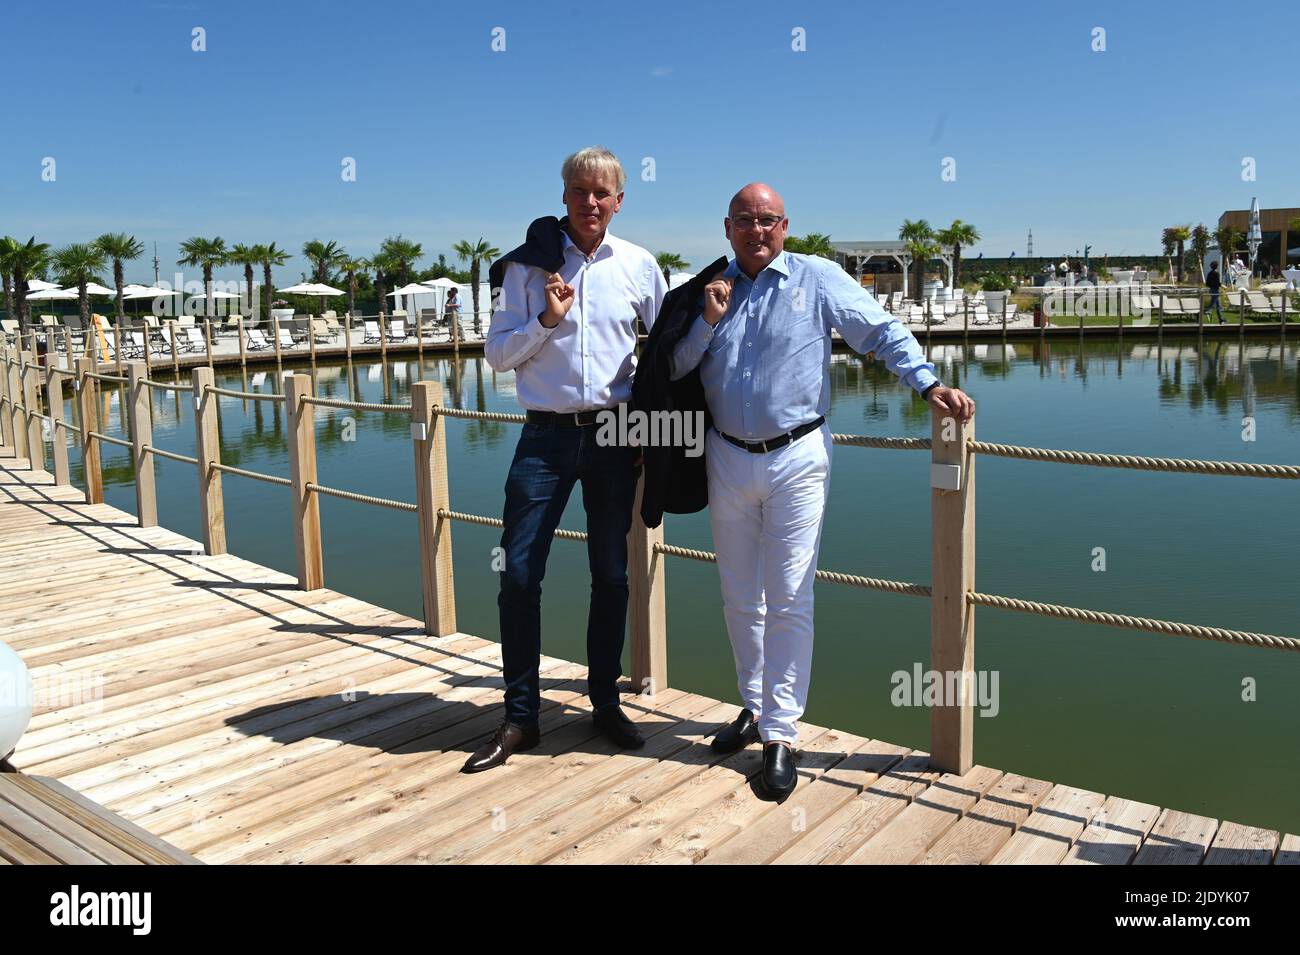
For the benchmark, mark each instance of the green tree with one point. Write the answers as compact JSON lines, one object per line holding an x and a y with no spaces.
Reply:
{"x":1200,"y":246}
{"x":1174,"y":240}
{"x":352,"y":268}
{"x":670,"y":262}
{"x":80,"y":264}
{"x":119,"y":247}
{"x":1229,"y":240}
{"x":401,"y":255}
{"x":270,"y":255}
{"x":920,"y":241}
{"x":954,"y":237}
{"x":9,"y":247}
{"x":324,"y":258}
{"x":475,"y":253}
{"x":26,"y":260}
{"x":248,"y":256}
{"x":814,"y":243}
{"x":384,"y":265}
{"x":207,"y":254}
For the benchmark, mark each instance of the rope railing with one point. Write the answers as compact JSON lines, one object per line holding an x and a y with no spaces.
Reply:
{"x":110,"y":379}
{"x":1170,"y":627}
{"x":891,"y":444}
{"x":109,"y":439}
{"x":361,"y":498}
{"x":255,"y":475}
{"x":246,"y":395}
{"x":480,"y":415}
{"x":172,"y":455}
{"x":68,"y":425}
{"x":1137,"y":462}
{"x":828,"y":576}
{"x":356,"y":405}
{"x":167,"y":386}
{"x":497,"y":522}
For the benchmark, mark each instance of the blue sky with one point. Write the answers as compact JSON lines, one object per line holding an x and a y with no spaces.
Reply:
{"x":453,"y":140}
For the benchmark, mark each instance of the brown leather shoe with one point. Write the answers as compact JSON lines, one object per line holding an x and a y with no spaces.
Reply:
{"x":509,"y":738}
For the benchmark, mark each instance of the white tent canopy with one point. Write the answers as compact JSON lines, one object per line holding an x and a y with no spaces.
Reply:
{"x":52,"y":294}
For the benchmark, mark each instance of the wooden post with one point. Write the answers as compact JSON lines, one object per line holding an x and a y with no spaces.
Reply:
{"x":207,"y":450}
{"x":87,"y":402}
{"x":276,"y":322}
{"x":347,"y":334}
{"x":67,"y":345}
{"x":207,"y":337}
{"x":1160,"y":302}
{"x":302,"y":467}
{"x":32,"y":424}
{"x":419,"y":337}
{"x":117,"y":346}
{"x":1241,"y":327}
{"x":58,"y":436}
{"x":647,"y":597}
{"x":431,"y":494}
{"x":383,"y":336}
{"x":6,"y":403}
{"x":176,"y":352}
{"x":965,"y":316}
{"x":239,"y":330}
{"x":952,"y":572}
{"x":141,"y":409}
{"x":311,"y":338}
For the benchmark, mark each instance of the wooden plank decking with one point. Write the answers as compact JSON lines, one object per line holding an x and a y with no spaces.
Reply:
{"x":243,"y":720}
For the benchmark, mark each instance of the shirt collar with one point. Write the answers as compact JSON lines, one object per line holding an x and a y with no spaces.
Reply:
{"x":601,"y":250}
{"x":779,"y":264}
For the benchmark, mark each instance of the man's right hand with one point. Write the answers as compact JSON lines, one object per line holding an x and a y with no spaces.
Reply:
{"x":559,"y":299}
{"x":717,"y":296}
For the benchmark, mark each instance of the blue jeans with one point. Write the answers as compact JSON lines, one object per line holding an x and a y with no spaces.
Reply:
{"x":548,"y":461}
{"x":1214,"y":304}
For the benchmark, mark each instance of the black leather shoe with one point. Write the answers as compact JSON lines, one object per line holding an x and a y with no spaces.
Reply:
{"x":617,"y":728}
{"x":509,"y":738}
{"x":736,"y":735}
{"x":778,"y":776}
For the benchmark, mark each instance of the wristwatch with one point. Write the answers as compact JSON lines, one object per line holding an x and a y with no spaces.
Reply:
{"x":926,"y":393}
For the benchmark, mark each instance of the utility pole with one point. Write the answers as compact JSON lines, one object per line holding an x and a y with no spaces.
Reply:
{"x":155,"y":265}
{"x":1031,"y":244}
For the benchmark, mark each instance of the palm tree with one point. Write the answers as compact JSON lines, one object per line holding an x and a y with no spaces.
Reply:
{"x":324,"y":256}
{"x":269,"y":256}
{"x":77,"y":264}
{"x":9,"y":247}
{"x":1200,"y":246}
{"x":208,"y":254}
{"x":670,"y":262}
{"x":475,"y":253}
{"x":247,"y":256}
{"x":1173,"y":239}
{"x":920,"y":241}
{"x":351,"y":267}
{"x":954,"y":237}
{"x":1229,"y":241}
{"x":27,"y":259}
{"x":402,"y":254}
{"x":384,"y":265}
{"x":119,"y":247}
{"x":814,"y":243}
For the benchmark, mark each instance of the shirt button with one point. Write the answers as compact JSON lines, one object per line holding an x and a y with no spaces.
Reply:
{"x":749,"y":344}
{"x":746,"y":404}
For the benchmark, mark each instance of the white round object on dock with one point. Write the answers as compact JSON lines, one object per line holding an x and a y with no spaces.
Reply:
{"x":15,"y":699}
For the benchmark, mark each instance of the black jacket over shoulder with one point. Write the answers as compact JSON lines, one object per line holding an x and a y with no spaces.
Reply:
{"x":674,"y":482}
{"x":543,"y":247}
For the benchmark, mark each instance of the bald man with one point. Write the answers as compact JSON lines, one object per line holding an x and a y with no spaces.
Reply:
{"x":763,"y":347}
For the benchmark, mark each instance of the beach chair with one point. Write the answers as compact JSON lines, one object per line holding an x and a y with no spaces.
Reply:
{"x":321,"y":331}
{"x":255,"y":340}
{"x":10,"y":327}
{"x":184,"y":321}
{"x":1259,"y":302}
{"x":980,"y":314}
{"x":397,"y":330}
{"x":371,"y":335}
{"x":287,"y":339}
{"x":190,"y":340}
{"x":1011,"y":312}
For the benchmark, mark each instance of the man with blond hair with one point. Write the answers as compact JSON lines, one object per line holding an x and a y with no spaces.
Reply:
{"x":564,"y":320}
{"x":762,"y":343}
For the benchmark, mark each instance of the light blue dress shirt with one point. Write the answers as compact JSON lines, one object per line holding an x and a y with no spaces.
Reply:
{"x":766,"y":366}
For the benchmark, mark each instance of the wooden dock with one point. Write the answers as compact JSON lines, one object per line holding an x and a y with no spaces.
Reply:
{"x":240,"y":719}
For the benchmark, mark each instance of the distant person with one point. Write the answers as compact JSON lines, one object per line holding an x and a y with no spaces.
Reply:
{"x":1213,"y":281}
{"x":451,"y":311}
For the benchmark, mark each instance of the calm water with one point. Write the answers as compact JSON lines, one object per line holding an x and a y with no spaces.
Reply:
{"x":1155,"y":718}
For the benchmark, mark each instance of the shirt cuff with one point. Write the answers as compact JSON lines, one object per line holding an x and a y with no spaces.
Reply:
{"x":922,"y":379}
{"x":537,"y":330}
{"x":701,"y":332}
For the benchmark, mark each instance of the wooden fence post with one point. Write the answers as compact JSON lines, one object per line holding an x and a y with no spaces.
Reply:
{"x":117,"y":346}
{"x":311,"y":338}
{"x":239,"y":330}
{"x":647,"y":603}
{"x":146,"y":496}
{"x":6,"y":403}
{"x":207,"y":451}
{"x":302,"y":467}
{"x":347,"y":334}
{"x":207,"y":338}
{"x":88,"y":403}
{"x":431,"y":494}
{"x":383,"y":336}
{"x":176,"y":352}
{"x":952,"y":620}
{"x":58,"y":435}
{"x":276,"y":322}
{"x":31,"y":406}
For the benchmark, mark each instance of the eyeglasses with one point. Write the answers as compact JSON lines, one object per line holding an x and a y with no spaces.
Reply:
{"x":765,"y":222}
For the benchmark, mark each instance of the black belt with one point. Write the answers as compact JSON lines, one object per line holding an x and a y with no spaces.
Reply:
{"x":780,"y":441}
{"x":567,"y":419}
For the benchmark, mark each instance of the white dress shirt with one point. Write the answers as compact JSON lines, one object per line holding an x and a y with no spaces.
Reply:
{"x":587,"y":361}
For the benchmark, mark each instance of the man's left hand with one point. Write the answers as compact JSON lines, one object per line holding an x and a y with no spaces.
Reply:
{"x":952,"y":401}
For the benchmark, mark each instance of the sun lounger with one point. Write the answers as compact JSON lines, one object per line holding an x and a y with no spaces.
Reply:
{"x":371,"y":334}
{"x":397,"y":330}
{"x":256,"y":340}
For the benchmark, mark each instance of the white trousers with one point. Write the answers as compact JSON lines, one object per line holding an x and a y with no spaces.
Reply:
{"x":766,"y":511}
